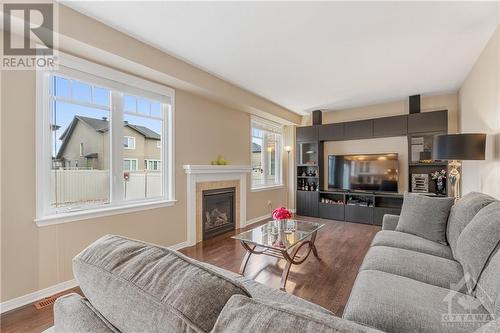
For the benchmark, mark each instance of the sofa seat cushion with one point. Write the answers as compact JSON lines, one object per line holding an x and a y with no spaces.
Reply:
{"x":425,"y":216}
{"x":406,"y":241}
{"x":422,"y":267}
{"x":462,"y":213}
{"x":140,"y":287}
{"x":477,"y":242}
{"x":259,"y":291}
{"x":243,"y":314}
{"x":394,"y":303}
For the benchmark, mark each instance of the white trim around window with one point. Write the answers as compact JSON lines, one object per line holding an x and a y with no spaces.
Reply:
{"x":130,"y":142}
{"x":268,"y":129}
{"x":118,"y":83}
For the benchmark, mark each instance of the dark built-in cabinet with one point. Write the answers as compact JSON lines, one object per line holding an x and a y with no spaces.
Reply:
{"x":358,"y":207}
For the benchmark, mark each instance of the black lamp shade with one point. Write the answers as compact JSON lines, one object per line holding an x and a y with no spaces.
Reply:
{"x":459,"y":147}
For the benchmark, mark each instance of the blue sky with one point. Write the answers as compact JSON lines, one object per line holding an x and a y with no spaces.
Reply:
{"x":65,"y":112}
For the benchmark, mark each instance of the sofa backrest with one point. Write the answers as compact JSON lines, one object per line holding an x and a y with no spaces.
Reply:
{"x":478,"y":242}
{"x":462,"y":212}
{"x":140,"y":287}
{"x":488,"y":286}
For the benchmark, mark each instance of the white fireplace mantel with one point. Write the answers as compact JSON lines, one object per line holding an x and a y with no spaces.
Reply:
{"x":210,"y":173}
{"x":199,"y":169}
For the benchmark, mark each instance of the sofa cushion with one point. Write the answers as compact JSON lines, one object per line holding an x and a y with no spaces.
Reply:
{"x":73,"y":313}
{"x":394,"y":303}
{"x":406,"y":241}
{"x":141,"y":287}
{"x":477,"y":242}
{"x":488,"y":285}
{"x":462,"y":213}
{"x":243,"y":314}
{"x":422,"y":267}
{"x":425,"y":216}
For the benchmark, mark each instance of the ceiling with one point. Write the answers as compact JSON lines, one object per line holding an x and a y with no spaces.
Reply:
{"x":316,"y":55}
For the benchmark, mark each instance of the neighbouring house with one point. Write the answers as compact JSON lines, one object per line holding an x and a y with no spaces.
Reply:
{"x":85,"y":144}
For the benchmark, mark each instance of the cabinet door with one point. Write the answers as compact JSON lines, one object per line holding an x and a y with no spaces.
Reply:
{"x":331,"y":132}
{"x":390,"y":126}
{"x":359,"y":214}
{"x":307,"y":203}
{"x":301,"y":203}
{"x":379,"y":212}
{"x":307,"y":133}
{"x":358,"y":129}
{"x":313,"y":203}
{"x":436,"y":121}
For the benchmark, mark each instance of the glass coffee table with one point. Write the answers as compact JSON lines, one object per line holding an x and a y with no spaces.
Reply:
{"x":280,"y":239}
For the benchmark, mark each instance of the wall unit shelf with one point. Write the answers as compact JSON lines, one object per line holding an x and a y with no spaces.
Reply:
{"x":362,"y":207}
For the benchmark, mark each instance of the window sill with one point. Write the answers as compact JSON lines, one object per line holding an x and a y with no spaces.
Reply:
{"x":101,"y":212}
{"x":267,"y":188}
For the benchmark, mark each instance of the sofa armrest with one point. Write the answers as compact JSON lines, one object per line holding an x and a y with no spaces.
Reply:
{"x":73,"y":313}
{"x":390,"y":222}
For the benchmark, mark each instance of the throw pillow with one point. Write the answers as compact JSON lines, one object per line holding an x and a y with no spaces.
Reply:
{"x":425,"y":216}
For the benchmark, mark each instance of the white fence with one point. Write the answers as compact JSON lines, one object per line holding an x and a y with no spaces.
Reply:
{"x":92,"y":186}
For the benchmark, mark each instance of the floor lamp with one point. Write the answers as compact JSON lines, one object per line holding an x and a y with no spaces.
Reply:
{"x":456,"y":148}
{"x":288,"y":149}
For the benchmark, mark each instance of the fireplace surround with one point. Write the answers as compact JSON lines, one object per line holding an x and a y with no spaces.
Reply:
{"x":211,"y":177}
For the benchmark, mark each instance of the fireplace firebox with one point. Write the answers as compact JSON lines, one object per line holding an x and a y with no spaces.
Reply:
{"x":218,"y":211}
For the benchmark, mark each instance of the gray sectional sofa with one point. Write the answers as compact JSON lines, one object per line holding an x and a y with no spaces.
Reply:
{"x":410,"y":284}
{"x":406,"y":284}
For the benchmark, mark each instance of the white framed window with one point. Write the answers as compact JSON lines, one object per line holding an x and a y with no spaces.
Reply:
{"x":153,"y":165}
{"x":128,"y":142}
{"x":85,"y":105}
{"x":266,"y":154}
{"x":130,"y":164}
{"x":158,"y":144}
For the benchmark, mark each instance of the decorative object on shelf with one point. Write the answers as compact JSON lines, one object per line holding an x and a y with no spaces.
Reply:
{"x":425,"y":157}
{"x":420,"y":182}
{"x":456,"y":147}
{"x":440,"y":178}
{"x":219,"y":161}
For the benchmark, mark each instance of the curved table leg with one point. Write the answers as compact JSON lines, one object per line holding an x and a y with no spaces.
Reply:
{"x":244,"y":263}
{"x":313,"y":247}
{"x":289,"y":262}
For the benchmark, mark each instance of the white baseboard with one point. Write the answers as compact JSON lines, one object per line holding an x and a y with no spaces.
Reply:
{"x":256,"y":219}
{"x":179,"y":246}
{"x":37,"y":295}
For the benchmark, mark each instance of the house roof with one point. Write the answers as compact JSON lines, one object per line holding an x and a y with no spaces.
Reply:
{"x":102,"y":126}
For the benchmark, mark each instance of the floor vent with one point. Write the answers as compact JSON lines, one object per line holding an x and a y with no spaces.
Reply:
{"x":46,"y":301}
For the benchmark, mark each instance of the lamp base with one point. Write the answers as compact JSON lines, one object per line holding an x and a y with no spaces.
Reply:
{"x":455,"y":178}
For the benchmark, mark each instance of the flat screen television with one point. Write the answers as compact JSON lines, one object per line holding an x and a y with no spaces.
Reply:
{"x":364,"y":172}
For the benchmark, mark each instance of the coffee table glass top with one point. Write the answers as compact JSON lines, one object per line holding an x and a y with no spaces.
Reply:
{"x":281,"y":235}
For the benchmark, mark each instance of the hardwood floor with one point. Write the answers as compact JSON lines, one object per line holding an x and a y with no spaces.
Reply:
{"x":327,"y":282}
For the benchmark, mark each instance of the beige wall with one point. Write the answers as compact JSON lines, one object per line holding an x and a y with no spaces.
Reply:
{"x":397,"y":145}
{"x":480,"y":112}
{"x":33,"y":258}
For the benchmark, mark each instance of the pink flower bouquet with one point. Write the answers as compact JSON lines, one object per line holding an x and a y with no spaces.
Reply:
{"x":281,"y":214}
